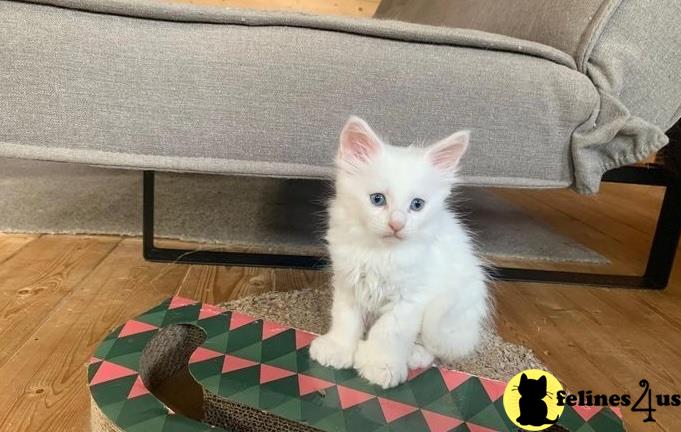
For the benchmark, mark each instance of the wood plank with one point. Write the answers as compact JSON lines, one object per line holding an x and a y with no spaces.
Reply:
{"x":38,"y":277}
{"x":44,"y":385}
{"x":10,"y":244}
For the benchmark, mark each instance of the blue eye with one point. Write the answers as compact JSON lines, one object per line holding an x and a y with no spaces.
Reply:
{"x":377,"y":199}
{"x":417,"y":204}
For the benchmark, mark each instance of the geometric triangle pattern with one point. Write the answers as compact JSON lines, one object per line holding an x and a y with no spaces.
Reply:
{"x":267,"y":366}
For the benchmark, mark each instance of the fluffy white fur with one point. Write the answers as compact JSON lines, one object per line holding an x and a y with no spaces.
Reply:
{"x":408,"y":286}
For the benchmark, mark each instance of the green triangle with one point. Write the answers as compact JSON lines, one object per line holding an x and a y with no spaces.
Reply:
{"x":316,"y":370}
{"x":570,"y":419}
{"x":181,"y":315}
{"x":217,"y":342}
{"x":401,"y":393}
{"x":287,"y":361}
{"x":103,"y":349}
{"x":154,"y":318}
{"x":332,"y":423}
{"x":279,"y":345}
{"x":151,"y":425}
{"x":287,"y":386}
{"x":446,"y":406}
{"x":131,"y":361}
{"x":249,"y":397}
{"x":605,"y":420}
{"x":356,"y":382}
{"x":112,"y":392}
{"x":586,"y":428}
{"x":316,"y":407}
{"x":112,"y":411}
{"x":204,"y":370}
{"x":130,"y":344}
{"x":470,"y":397}
{"x":289,"y":410}
{"x":239,"y":380}
{"x":366,"y":416}
{"x":92,"y":370}
{"x":409,"y":423}
{"x":138,"y":410}
{"x":215,"y":326}
{"x":490,"y":418}
{"x":244,"y":336}
{"x":428,"y":387}
{"x":251,"y":352}
{"x":499,"y":404}
{"x":461,"y":428}
{"x":211,"y":383}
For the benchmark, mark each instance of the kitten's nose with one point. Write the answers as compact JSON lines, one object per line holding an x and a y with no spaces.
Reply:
{"x":397,"y":221}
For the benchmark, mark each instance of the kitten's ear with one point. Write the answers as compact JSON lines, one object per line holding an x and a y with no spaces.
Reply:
{"x":358,"y":143}
{"x":523,"y":378}
{"x":542,"y":380}
{"x":447,"y":153}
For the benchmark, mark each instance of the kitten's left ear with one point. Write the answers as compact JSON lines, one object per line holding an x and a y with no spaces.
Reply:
{"x":447,"y":153}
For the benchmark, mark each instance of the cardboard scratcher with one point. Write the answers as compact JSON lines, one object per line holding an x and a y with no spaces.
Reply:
{"x":186,"y":366}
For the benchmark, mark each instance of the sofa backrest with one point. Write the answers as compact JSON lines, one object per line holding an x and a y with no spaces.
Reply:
{"x":631,"y":49}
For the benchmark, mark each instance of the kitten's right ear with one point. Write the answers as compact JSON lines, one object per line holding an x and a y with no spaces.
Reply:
{"x":358,"y":143}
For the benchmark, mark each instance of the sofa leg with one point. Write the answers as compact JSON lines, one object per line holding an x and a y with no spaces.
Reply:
{"x":656,"y":275}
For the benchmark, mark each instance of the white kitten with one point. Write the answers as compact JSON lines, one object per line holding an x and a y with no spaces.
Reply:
{"x":403,"y":266}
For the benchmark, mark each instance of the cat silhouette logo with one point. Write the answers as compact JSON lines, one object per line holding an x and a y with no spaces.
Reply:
{"x":530,"y":400}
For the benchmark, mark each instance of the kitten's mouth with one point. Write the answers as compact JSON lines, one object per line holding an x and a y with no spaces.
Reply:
{"x":395,"y":236}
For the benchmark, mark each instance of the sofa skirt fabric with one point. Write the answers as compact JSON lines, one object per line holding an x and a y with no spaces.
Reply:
{"x":149,"y":85}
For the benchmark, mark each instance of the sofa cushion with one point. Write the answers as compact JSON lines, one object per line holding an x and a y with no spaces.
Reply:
{"x":628,"y":48}
{"x":143,"y":85}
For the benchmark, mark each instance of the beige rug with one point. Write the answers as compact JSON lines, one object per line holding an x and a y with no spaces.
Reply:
{"x":260,"y":214}
{"x":309,"y":310}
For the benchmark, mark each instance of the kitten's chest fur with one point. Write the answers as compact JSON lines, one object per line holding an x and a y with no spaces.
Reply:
{"x":377,"y":279}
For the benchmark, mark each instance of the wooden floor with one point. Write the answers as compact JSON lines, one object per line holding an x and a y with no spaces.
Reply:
{"x":59,"y":295}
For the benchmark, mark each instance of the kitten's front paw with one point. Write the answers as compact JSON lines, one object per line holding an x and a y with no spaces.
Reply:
{"x":379,"y":367}
{"x":328,"y":352}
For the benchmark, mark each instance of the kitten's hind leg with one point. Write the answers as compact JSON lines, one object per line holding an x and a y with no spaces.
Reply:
{"x":450,"y":333}
{"x":420,"y":357}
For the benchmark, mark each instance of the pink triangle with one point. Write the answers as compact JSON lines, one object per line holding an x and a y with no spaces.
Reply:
{"x":94,"y":360}
{"x":303,"y":339}
{"x":270,"y":329}
{"x":203,"y":354}
{"x":453,"y":379}
{"x":233,"y":363}
{"x":394,"y":410}
{"x":239,"y":319}
{"x":209,"y":310}
{"x":586,"y":412}
{"x":477,"y":428}
{"x":308,"y":384}
{"x":438,"y":422}
{"x":178,"y":302}
{"x":271,"y":373}
{"x":138,"y":389}
{"x":110,"y":371}
{"x":495,"y":389}
{"x":133,"y":327}
{"x":413,"y":373}
{"x":351,"y":397}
